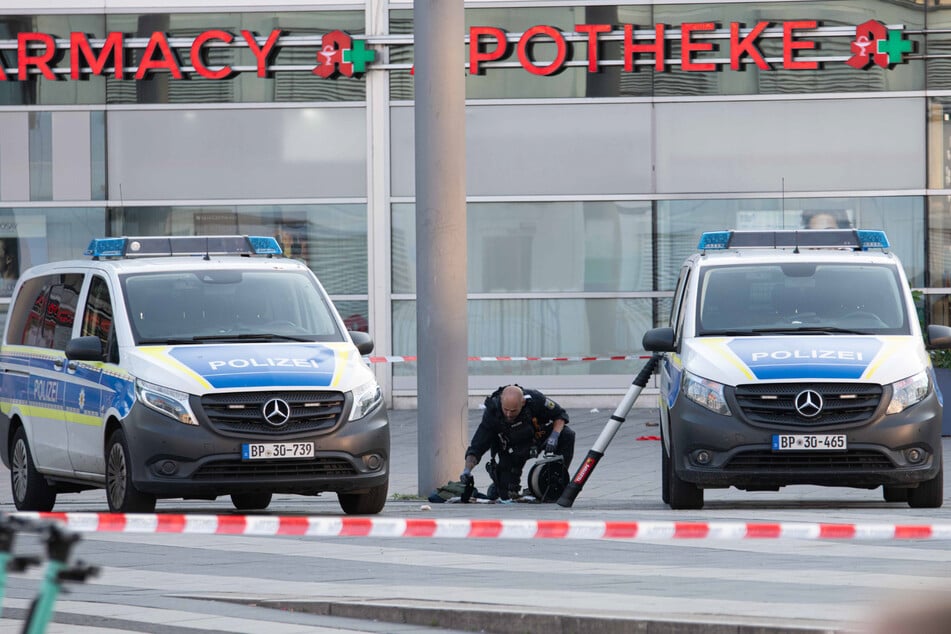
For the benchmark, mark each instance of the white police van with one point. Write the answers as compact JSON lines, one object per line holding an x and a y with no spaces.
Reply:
{"x":796,"y":357}
{"x":187,"y":367}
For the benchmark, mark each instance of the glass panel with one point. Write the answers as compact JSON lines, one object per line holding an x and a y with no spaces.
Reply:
{"x":355,"y":314}
{"x":271,"y":153}
{"x":330,"y":239}
{"x":538,"y":247}
{"x":539,"y":327}
{"x":680,"y":223}
{"x":836,"y":154}
{"x":41,"y":156}
{"x":568,"y":149}
{"x":97,"y":149}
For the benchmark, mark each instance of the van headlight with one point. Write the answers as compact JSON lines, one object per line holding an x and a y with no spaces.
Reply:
{"x":907,"y":392}
{"x":365,"y":399}
{"x":706,"y":393}
{"x":165,"y":400}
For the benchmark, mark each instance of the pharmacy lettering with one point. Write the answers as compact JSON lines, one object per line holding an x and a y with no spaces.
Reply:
{"x":700,"y":46}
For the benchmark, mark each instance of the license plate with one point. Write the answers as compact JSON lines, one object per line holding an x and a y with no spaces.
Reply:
{"x":276,"y":450}
{"x":809,"y":442}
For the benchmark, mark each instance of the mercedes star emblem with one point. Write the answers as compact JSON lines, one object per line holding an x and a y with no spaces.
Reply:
{"x":276,"y":412}
{"x":808,"y":403}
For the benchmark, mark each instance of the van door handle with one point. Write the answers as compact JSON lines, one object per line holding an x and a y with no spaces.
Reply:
{"x":71,"y":366}
{"x":58,"y":364}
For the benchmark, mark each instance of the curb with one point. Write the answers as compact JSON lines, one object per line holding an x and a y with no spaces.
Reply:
{"x":509,"y":620}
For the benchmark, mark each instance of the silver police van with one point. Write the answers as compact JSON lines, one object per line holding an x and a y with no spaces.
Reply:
{"x":796,"y":357}
{"x":187,"y":367}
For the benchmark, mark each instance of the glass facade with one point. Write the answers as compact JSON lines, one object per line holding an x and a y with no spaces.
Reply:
{"x":585,"y":190}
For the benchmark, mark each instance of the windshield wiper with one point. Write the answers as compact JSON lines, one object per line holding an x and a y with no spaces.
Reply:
{"x":250,"y":336}
{"x":731,"y":333}
{"x":825,"y":330}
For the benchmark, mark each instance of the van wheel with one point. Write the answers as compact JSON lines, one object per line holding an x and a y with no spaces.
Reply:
{"x":253,"y":501}
{"x":895,"y":494}
{"x":928,"y":494}
{"x":121,"y":494}
{"x":681,"y":495}
{"x":369,"y":503}
{"x":31,"y":491}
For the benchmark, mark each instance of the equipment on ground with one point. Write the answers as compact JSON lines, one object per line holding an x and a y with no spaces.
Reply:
{"x":548,"y":478}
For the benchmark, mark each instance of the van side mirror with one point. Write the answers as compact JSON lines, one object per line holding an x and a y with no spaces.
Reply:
{"x":87,"y":348}
{"x":939,"y":337}
{"x":659,"y":340}
{"x":362,"y":341}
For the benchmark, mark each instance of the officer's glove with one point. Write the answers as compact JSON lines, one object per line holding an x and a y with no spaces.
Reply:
{"x":468,"y":482}
{"x":552,"y":443}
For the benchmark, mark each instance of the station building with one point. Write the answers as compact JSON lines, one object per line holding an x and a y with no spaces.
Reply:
{"x":601,"y":140}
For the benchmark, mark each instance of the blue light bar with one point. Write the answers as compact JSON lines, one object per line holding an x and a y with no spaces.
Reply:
{"x":151,"y":246}
{"x":799,"y":239}
{"x":714,"y":240}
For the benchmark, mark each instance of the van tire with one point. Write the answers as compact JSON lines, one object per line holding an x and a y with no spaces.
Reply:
{"x":928,"y":494}
{"x":369,"y":503}
{"x":31,"y":491}
{"x":664,"y":473}
{"x":121,"y":494}
{"x":253,"y":501}
{"x":682,"y":495}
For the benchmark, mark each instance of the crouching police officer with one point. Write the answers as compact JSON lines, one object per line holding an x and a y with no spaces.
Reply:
{"x":517,"y":424}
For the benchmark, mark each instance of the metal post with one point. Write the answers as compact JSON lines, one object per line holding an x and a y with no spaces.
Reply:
{"x":441,"y":318}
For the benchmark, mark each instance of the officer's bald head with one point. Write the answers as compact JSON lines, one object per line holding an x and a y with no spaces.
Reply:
{"x":512,"y":401}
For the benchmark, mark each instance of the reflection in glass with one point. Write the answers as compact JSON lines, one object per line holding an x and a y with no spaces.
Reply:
{"x":539,"y":327}
{"x":330,"y":239}
{"x":539,"y":247}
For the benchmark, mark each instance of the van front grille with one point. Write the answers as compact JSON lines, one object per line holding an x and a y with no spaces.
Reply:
{"x":847,"y":461}
{"x":774,"y":404}
{"x":243,"y":412}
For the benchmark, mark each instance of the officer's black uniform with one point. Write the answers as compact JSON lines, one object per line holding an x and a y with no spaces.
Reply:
{"x":514,"y":443}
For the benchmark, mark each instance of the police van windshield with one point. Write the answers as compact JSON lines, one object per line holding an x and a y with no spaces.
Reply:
{"x":802,"y":297}
{"x":227,"y":305}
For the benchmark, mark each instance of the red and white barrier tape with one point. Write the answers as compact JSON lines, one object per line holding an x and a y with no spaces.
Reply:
{"x":349,"y":526}
{"x":623,"y":357}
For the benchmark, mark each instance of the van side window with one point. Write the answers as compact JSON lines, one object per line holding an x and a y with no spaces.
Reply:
{"x":97,"y":317}
{"x":45,"y":311}
{"x":61,"y":309}
{"x":677,"y":310}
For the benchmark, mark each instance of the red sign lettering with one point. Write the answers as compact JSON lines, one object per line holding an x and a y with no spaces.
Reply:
{"x":746,"y":45}
{"x":477,"y":55}
{"x":198,"y":60}
{"x":167,"y":60}
{"x":688,"y":46}
{"x":592,"y":30}
{"x":658,"y":48}
{"x":41,"y":61}
{"x":80,"y":51}
{"x":526,"y":41}
{"x":791,"y":45}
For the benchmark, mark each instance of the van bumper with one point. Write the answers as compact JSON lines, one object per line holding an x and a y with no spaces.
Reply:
{"x":175,"y":460}
{"x":742,"y":456}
